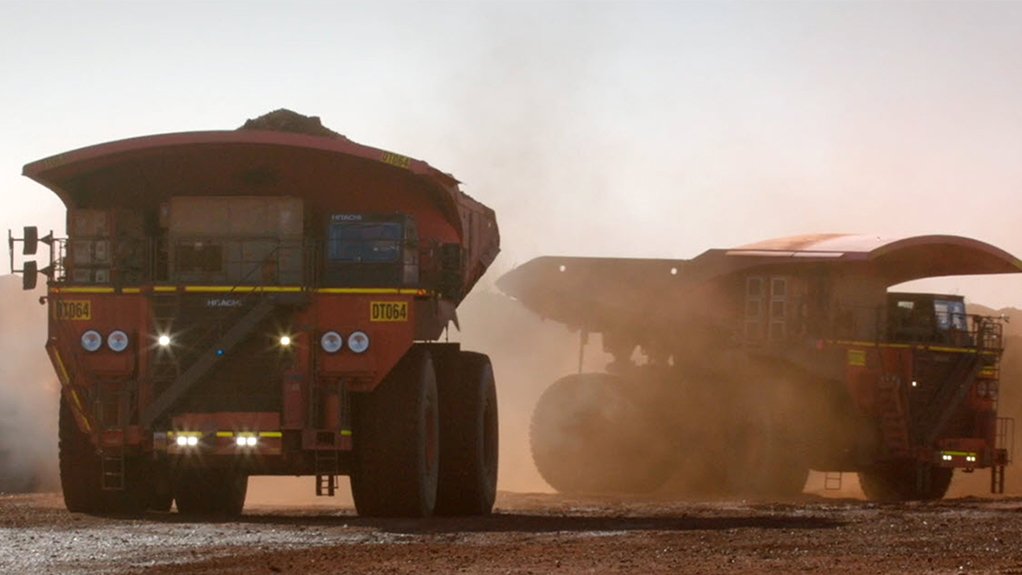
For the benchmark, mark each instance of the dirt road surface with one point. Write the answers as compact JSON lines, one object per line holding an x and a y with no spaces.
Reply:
{"x":529,"y":533}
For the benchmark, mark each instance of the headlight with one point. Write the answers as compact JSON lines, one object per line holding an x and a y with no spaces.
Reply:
{"x":332,"y":342}
{"x":163,"y":340}
{"x":91,"y":340}
{"x":358,"y":341}
{"x":117,"y":341}
{"x":246,"y":441}
{"x":285,"y":341}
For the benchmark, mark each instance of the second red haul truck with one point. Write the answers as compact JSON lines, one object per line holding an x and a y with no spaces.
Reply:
{"x":738,"y":371}
{"x":265,"y":301}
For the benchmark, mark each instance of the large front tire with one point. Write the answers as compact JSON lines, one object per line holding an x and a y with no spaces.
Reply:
{"x":590,"y":435}
{"x":81,"y":471}
{"x":468,"y":438}
{"x":397,"y":442}
{"x":905,"y":482}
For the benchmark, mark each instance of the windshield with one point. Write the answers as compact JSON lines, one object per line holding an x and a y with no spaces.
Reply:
{"x":950,"y":314}
{"x":364,"y":242}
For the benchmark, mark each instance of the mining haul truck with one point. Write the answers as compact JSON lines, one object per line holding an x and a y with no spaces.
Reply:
{"x":738,"y":371}
{"x":265,"y":301}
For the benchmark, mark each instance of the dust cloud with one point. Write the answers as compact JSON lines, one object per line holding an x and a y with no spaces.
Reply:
{"x":28,"y":393}
{"x":715,"y":415}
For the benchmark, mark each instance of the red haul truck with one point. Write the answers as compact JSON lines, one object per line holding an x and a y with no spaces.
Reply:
{"x":265,"y":301}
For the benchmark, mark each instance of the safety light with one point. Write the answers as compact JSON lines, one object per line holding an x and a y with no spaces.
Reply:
{"x":163,"y":340}
{"x":117,"y":341}
{"x":331,"y":342}
{"x":91,"y":340}
{"x":187,"y":440}
{"x":246,"y":441}
{"x":285,"y":341}
{"x":358,"y":341}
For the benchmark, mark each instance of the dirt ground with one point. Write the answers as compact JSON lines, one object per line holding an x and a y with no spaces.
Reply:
{"x":529,"y":533}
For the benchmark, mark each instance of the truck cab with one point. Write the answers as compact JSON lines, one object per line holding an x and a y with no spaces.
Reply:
{"x":927,"y":318}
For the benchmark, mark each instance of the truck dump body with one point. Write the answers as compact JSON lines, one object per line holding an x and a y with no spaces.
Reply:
{"x":234,"y":293}
{"x":808,"y":309}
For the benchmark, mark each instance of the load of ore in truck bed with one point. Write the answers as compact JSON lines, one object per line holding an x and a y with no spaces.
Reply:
{"x":284,"y":120}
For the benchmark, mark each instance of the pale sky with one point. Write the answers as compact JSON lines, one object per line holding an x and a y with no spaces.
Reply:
{"x":644,"y":129}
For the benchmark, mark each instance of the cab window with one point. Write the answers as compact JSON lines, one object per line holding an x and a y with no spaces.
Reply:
{"x":364,"y":242}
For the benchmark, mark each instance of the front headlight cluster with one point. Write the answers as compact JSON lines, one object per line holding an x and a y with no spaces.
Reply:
{"x":333,"y":342}
{"x":117,"y":340}
{"x":987,"y":389}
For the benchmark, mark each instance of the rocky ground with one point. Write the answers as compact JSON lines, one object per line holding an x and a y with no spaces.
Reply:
{"x":529,"y":533}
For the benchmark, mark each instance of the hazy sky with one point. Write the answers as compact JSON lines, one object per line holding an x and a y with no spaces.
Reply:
{"x":627,"y":129}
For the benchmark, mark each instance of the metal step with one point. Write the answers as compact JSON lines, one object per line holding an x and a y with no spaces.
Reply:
{"x":997,"y":480}
{"x":832,"y":480}
{"x":113,"y":471}
{"x":327,"y":464}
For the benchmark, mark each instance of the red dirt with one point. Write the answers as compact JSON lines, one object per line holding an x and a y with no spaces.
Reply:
{"x":529,"y":533}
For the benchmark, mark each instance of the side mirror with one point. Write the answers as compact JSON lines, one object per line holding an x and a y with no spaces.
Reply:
{"x":31,"y":241}
{"x":29,"y":275}
{"x":451,"y":275}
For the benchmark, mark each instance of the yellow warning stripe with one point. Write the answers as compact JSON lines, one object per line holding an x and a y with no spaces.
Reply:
{"x":83,"y":290}
{"x":958,"y":453}
{"x":373,"y":291}
{"x":907,"y":346}
{"x":63,"y":370}
{"x":270,"y":434}
{"x":241,"y":289}
{"x":78,"y":404}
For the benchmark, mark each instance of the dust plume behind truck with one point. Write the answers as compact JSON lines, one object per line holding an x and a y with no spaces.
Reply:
{"x":266,"y":300}
{"x":741,"y":369}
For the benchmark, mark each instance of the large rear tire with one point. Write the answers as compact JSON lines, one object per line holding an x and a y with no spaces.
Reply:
{"x":905,"y":482}
{"x":81,"y":474}
{"x":468,"y":438}
{"x":590,"y":435}
{"x":767,"y":458}
{"x":397,"y":442}
{"x":210,"y":491}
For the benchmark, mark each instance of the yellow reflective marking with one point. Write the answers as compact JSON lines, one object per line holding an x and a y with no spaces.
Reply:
{"x":83,"y":290}
{"x":72,"y":309}
{"x":372,"y":291}
{"x":244,"y":289}
{"x":856,"y":357}
{"x":389,"y":311}
{"x":958,"y":453}
{"x":345,"y":433}
{"x":63,"y":370}
{"x":395,"y":159}
{"x":225,"y":434}
{"x":78,"y":403}
{"x":939,"y":348}
{"x":185,"y":434}
{"x":270,"y":434}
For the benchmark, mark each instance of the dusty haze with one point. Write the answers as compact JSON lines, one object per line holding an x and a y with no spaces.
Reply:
{"x":612,"y":128}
